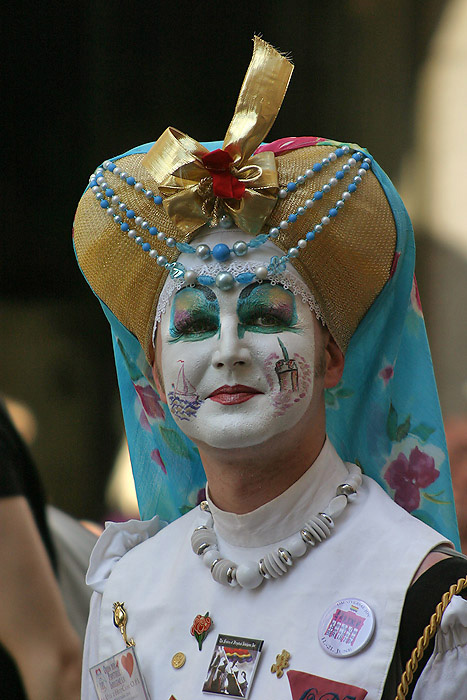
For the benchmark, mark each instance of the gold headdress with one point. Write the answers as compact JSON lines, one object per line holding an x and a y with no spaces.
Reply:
{"x":159,"y":199}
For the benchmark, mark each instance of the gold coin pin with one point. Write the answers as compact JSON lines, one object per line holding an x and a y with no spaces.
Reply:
{"x":178,"y":659}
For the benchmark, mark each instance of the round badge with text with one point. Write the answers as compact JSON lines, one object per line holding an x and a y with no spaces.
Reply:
{"x":346,"y":627}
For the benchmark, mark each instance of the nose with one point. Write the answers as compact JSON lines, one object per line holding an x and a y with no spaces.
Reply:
{"x":231,"y":351}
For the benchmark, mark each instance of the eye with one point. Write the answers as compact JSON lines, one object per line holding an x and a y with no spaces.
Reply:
{"x":196,"y":325}
{"x":267,"y":309}
{"x":267,"y":317}
{"x":194,"y":315}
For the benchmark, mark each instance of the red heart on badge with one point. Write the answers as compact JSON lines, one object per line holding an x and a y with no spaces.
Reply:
{"x":128,"y":662}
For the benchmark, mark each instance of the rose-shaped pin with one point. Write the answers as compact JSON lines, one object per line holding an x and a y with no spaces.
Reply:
{"x":200,"y":628}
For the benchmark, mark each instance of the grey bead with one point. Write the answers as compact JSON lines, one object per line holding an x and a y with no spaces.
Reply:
{"x":240,"y":248}
{"x":225,"y":281}
{"x":225,"y":221}
{"x":203,"y":251}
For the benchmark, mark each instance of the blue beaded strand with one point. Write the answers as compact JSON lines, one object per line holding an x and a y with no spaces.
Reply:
{"x":221,"y":252}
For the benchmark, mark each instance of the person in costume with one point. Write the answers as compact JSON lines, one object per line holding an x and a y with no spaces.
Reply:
{"x":236,"y":277}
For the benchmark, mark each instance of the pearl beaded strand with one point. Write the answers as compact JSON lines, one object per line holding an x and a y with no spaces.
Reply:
{"x":109,"y":201}
{"x":278,"y":561}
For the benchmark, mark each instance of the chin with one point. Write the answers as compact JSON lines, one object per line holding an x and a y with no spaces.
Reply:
{"x":238,"y":429}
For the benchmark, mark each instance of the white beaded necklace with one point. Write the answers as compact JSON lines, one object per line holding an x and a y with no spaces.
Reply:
{"x":277,"y":562}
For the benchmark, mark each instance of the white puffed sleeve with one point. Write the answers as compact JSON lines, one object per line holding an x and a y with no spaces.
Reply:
{"x":445,"y":675}
{"x":116,"y":540}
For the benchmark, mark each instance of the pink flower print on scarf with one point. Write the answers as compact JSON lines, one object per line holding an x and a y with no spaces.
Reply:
{"x":408,"y":475}
{"x":386,"y":374}
{"x":150,"y":401}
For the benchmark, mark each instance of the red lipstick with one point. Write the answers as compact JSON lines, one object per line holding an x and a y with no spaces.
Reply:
{"x":229,"y":395}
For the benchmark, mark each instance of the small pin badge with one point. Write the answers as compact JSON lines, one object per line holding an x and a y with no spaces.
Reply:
{"x":346,"y":627}
{"x":178,"y":659}
{"x":200,"y":628}
{"x":120,"y":621}
{"x":282,"y":662}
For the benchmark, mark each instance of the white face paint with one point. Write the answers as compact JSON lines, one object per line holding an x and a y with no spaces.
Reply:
{"x":238,"y":365}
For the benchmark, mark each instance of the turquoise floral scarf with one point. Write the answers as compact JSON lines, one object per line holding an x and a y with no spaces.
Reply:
{"x":383,"y":415}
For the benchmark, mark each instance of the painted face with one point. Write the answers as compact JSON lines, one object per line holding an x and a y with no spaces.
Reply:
{"x":238,"y":366}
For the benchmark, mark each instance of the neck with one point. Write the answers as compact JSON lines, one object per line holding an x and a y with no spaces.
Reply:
{"x":244,"y":479}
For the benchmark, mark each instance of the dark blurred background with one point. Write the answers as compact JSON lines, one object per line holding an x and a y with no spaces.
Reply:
{"x":89,"y":80}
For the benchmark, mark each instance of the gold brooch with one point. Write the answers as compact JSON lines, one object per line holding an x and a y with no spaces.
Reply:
{"x":120,"y":621}
{"x":282,"y":661}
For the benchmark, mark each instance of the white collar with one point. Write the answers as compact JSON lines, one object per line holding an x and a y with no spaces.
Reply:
{"x":284,"y":515}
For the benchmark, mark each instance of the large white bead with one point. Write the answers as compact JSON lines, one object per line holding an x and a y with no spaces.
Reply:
{"x":274,"y":564}
{"x":336,"y":506}
{"x":296,"y":546}
{"x":355,"y":475}
{"x":200,"y":537}
{"x":248,"y":575}
{"x":210,"y":556}
{"x":219,"y":572}
{"x":319,"y":529}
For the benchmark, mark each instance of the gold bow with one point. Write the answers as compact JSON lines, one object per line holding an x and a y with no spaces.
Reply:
{"x":246,"y":184}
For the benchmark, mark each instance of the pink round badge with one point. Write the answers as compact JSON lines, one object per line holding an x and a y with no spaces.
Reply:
{"x":346,"y":627}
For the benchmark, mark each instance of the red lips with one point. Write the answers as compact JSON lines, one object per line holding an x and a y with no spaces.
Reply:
{"x":229,"y":395}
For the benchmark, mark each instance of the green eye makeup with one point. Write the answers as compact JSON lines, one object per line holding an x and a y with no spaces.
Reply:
{"x":266,"y":308}
{"x":194,"y":314}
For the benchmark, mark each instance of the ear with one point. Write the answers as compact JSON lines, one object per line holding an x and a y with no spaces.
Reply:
{"x":334,"y":363}
{"x":156,"y":369}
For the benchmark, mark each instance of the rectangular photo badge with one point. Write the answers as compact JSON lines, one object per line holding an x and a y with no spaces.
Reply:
{"x":233,"y":666}
{"x":119,"y":677}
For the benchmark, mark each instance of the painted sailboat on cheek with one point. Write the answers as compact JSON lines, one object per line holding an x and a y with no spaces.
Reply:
{"x":184,"y":399}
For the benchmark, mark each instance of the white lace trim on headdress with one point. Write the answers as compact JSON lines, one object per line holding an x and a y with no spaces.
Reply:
{"x":287,"y":279}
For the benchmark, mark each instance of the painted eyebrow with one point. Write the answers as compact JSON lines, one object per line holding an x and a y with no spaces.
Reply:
{"x":208,"y":293}
{"x":248,"y":290}
{"x":265,"y":287}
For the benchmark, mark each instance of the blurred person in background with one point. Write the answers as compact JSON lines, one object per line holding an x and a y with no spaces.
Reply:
{"x":40,"y":652}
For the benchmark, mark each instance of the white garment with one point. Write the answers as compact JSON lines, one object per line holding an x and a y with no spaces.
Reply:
{"x":164,"y":586}
{"x":445,"y":675}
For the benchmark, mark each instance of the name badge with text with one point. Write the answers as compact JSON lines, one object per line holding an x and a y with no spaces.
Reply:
{"x":119,"y":677}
